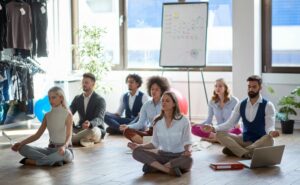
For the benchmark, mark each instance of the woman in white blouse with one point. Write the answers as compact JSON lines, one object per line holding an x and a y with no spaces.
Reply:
{"x":170,"y":148}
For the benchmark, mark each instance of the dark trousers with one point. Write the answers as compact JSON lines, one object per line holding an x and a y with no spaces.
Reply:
{"x":144,"y":156}
{"x":39,"y":29}
{"x":114,"y":121}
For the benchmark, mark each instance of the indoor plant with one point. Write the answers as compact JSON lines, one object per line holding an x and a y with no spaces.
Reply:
{"x":287,"y":106}
{"x":92,"y":56}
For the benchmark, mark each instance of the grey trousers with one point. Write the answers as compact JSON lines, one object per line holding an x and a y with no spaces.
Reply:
{"x":46,"y":156}
{"x":236,"y":144}
{"x":144,"y":156}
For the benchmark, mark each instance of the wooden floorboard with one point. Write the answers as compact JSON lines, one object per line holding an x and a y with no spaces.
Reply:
{"x":109,"y":163}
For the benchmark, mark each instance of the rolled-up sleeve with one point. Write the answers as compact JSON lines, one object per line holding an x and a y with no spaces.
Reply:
{"x":269,"y":118}
{"x":154,"y":139}
{"x":186,"y":136}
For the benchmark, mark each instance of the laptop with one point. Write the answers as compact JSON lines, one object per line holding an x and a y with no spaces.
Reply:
{"x":265,"y":156}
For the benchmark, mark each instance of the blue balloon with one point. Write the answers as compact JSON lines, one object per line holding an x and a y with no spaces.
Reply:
{"x":41,"y":107}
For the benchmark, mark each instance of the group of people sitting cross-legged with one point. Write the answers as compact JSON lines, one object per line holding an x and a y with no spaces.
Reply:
{"x":169,"y":149}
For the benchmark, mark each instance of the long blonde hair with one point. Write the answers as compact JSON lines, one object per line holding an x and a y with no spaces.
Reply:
{"x":176,"y":110}
{"x":216,"y":98}
{"x":58,"y":91}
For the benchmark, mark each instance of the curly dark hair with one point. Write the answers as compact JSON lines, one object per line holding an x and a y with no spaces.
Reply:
{"x":162,"y":82}
{"x":137,"y":78}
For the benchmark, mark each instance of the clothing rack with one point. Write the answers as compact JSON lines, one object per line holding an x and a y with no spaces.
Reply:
{"x":23,"y":62}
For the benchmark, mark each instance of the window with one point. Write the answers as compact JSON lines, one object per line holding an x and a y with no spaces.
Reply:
{"x":134,"y":31}
{"x":282,"y":47}
{"x":104,"y":14}
{"x":144,"y":33}
{"x":219,"y":33}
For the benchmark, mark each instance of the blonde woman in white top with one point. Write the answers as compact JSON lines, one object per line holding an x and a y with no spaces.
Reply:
{"x":59,"y":124}
{"x":170,"y":148}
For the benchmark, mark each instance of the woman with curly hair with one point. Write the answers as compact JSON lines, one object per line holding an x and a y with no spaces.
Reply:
{"x":156,"y":86}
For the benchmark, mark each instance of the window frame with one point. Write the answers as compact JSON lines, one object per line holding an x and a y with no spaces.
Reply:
{"x":123,"y":65}
{"x":267,"y":42}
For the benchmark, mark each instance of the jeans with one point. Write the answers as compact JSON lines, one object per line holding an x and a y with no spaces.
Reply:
{"x":46,"y":156}
{"x":114,"y":121}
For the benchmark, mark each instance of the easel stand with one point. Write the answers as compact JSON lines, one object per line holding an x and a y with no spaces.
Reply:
{"x":189,"y":90}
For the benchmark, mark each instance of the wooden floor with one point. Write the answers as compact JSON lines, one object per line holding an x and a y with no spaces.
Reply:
{"x":109,"y":163}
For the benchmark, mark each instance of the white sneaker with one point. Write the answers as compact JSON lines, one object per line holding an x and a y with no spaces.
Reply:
{"x":86,"y":143}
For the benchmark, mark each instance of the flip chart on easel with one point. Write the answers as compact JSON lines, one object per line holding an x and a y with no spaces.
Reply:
{"x":184,"y":34}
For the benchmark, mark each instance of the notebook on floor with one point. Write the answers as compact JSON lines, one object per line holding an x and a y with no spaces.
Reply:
{"x":265,"y":156}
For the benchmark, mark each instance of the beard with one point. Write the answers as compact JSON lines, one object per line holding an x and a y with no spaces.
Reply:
{"x":253,"y":94}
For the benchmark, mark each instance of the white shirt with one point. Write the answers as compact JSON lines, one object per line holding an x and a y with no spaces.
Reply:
{"x":172,"y":139}
{"x":130,"y":101}
{"x":86,"y":100}
{"x":250,"y":114}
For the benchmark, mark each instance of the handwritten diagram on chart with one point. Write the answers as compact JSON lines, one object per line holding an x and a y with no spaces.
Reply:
{"x":184,"y":30}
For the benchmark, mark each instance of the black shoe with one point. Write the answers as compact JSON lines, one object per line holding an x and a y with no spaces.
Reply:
{"x":23,"y":161}
{"x":59,"y":163}
{"x":148,"y":169}
{"x":103,"y":133}
{"x":177,"y":172}
{"x":227,"y":152}
{"x":113,"y":131}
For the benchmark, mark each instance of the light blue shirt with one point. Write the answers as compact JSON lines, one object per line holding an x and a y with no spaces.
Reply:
{"x":148,"y":112}
{"x":221,"y":114}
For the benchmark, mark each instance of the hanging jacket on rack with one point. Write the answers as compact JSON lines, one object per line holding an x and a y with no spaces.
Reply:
{"x":2,"y":25}
{"x":39,"y":27}
{"x":19,"y":22}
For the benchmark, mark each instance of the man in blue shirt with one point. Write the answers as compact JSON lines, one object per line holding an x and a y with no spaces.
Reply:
{"x":258,"y":117}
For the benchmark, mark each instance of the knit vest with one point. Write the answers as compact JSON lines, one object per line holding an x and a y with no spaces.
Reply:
{"x":56,"y":124}
{"x":256,"y":129}
{"x":136,"y":105}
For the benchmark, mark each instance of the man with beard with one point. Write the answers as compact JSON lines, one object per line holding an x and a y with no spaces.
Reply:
{"x":91,"y":109}
{"x":258,"y":117}
{"x":130,"y":102}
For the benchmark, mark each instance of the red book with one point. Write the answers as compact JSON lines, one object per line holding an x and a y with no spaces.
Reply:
{"x":227,"y":166}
